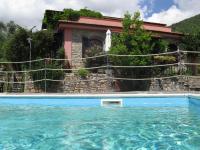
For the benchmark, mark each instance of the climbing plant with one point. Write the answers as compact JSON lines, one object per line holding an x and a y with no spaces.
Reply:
{"x":52,"y":17}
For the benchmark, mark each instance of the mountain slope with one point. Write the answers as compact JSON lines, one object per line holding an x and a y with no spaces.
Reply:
{"x":190,"y":25}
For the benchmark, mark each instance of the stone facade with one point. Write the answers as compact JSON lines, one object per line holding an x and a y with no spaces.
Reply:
{"x":176,"y":84}
{"x":77,"y":44}
{"x":169,"y":85}
{"x":93,"y":83}
{"x":99,"y":83}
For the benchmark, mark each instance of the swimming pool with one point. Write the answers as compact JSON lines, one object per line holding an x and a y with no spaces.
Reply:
{"x":171,"y":122}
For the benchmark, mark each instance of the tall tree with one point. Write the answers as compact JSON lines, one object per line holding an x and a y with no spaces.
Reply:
{"x":6,"y":31}
{"x":2,"y":33}
{"x":134,"y":40}
{"x":191,"y":42}
{"x":19,"y":50}
{"x":16,"y":47}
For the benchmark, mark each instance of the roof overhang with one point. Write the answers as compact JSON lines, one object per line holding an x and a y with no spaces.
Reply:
{"x":115,"y":25}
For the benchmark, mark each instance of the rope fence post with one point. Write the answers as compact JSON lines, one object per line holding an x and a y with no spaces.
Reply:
{"x":108,"y":72}
{"x":45,"y":73}
{"x":180,"y":66}
{"x":45,"y":76}
{"x":25,"y":81}
{"x":6,"y":82}
{"x":179,"y":61}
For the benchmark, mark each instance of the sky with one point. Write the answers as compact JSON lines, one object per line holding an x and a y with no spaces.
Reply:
{"x":29,"y":13}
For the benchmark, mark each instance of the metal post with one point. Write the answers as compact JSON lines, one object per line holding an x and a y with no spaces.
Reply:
{"x":30,"y":46}
{"x":30,"y":56}
{"x":6,"y":83}
{"x":180,"y":65}
{"x":107,"y":63}
{"x":45,"y":76}
{"x":25,"y":81}
{"x":181,"y":68}
{"x":108,"y":72}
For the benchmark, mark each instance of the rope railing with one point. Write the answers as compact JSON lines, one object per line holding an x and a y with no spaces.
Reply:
{"x":53,"y":80}
{"x":44,"y":69}
{"x":98,"y":56}
{"x":99,"y":67}
{"x":145,"y":55}
{"x":147,"y":66}
{"x":194,"y":52}
{"x":156,"y":78}
{"x":112,"y":78}
{"x":22,"y":62}
{"x":25,"y":71}
{"x":92,"y":57}
{"x":22,"y":82}
{"x":192,"y":64}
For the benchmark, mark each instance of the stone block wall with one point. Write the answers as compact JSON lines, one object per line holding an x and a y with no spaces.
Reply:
{"x":77,"y":44}
{"x":99,"y":83}
{"x":93,"y":83}
{"x":169,"y":85}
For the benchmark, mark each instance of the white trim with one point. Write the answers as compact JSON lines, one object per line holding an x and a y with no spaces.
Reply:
{"x":142,"y":94}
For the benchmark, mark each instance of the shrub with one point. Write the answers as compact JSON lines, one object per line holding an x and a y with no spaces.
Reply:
{"x":164,"y":59}
{"x":50,"y":74}
{"x":83,"y":73}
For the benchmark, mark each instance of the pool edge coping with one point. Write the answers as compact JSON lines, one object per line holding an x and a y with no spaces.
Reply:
{"x":104,"y":95}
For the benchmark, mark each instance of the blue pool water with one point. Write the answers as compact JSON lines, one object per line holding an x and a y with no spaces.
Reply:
{"x":80,"y":123}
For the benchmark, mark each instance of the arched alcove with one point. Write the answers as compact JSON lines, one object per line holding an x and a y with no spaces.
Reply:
{"x":91,"y":46}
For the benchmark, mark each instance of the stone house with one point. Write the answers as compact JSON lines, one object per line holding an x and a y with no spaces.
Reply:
{"x":88,"y":33}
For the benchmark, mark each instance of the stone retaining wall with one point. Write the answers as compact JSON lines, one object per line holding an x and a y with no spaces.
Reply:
{"x":169,"y":85}
{"x":98,"y":83}
{"x":93,"y":83}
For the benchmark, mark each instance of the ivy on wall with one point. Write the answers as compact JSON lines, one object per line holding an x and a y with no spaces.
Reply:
{"x":52,"y":17}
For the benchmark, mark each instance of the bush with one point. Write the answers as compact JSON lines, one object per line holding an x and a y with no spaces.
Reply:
{"x":50,"y":74}
{"x":83,"y":73}
{"x":164,"y":59}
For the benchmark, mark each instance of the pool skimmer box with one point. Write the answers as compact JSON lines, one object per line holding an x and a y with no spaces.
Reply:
{"x":112,"y":102}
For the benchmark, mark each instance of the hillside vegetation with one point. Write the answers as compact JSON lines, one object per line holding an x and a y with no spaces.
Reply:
{"x":190,"y":25}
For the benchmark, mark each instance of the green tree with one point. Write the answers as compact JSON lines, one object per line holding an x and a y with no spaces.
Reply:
{"x":191,"y":42}
{"x":17,"y":47}
{"x":19,"y":50}
{"x":43,"y":44}
{"x":2,"y":38}
{"x":2,"y":31}
{"x":134,"y":40}
{"x":11,"y":28}
{"x":6,"y":30}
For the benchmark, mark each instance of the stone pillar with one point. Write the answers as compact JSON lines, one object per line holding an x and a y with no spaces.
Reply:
{"x":77,"y":50}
